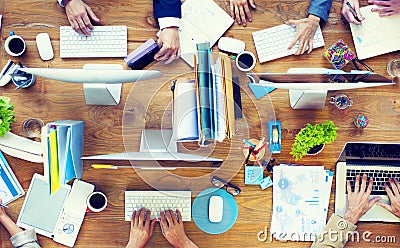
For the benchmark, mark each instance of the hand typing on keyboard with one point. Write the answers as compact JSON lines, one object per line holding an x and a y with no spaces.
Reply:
{"x":78,"y":14}
{"x":171,"y":225}
{"x":393,"y":193}
{"x":306,"y":29}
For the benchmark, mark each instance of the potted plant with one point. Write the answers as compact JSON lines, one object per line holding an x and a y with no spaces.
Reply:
{"x":6,"y":115}
{"x":313,"y":136}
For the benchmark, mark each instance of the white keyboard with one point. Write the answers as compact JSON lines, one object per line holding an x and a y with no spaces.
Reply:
{"x":158,"y":201}
{"x":272,"y":43}
{"x":104,"y":42}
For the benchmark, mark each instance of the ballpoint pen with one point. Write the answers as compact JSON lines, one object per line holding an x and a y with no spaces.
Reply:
{"x":353,"y":11}
{"x":249,"y":143}
{"x":3,"y":206}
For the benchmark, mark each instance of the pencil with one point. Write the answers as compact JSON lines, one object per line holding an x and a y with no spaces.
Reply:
{"x":353,"y":11}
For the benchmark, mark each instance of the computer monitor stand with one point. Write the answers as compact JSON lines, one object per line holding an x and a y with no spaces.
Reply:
{"x":155,"y":140}
{"x":102,"y":93}
{"x":307,"y":99}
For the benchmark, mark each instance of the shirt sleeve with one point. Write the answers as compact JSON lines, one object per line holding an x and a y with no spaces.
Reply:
{"x":335,"y":234}
{"x":61,"y":2}
{"x":166,"y":22}
{"x":320,"y":8}
{"x":25,"y":239}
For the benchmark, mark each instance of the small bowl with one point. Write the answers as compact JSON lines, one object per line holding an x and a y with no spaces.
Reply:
{"x":26,"y":80}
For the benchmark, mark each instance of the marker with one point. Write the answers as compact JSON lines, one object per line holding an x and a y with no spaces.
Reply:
{"x":353,"y":11}
{"x":108,"y":166}
{"x":249,"y":143}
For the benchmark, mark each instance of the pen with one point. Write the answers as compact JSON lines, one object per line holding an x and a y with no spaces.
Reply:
{"x":353,"y":11}
{"x":259,"y":149}
{"x":249,"y":143}
{"x":3,"y":206}
{"x":109,"y":166}
{"x":256,"y":158}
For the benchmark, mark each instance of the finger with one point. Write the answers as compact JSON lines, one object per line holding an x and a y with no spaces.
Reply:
{"x":373,"y":201}
{"x":301,"y":47}
{"x":358,"y":12}
{"x":170,"y":59}
{"x":370,"y":183}
{"x":363,"y":183}
{"x":382,"y":3}
{"x":82,"y":26}
{"x":310,"y":46}
{"x":394,"y":187}
{"x":151,"y":226}
{"x":92,"y":14}
{"x":389,"y":193}
{"x":142,"y":211}
{"x":397,"y":184}
{"x":252,"y":3}
{"x":135,"y":218}
{"x":357,"y":184}
{"x":75,"y":26}
{"x":87,"y":23}
{"x":294,"y":41}
{"x":171,"y":217}
{"x":290,"y":22}
{"x":232,"y":8}
{"x":237,"y":15}
{"x":385,"y":206}
{"x":161,"y":54}
{"x":242,"y":16}
{"x":147,"y":221}
{"x":248,"y":12}
{"x":305,"y":46}
{"x":178,"y":213}
{"x":386,"y":14}
{"x":348,"y":185}
{"x":163,"y":219}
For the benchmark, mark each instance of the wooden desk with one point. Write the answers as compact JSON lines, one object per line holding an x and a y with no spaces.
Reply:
{"x":54,"y":100}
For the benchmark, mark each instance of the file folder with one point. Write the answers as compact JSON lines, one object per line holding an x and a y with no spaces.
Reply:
{"x":63,"y":149}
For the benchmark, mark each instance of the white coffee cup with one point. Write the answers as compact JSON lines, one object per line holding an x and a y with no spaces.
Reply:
{"x":96,"y":201}
{"x":15,"y":45}
{"x":245,"y":61}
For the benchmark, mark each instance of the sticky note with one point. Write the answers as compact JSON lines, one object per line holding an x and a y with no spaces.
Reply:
{"x":266,"y":182}
{"x":253,"y":175}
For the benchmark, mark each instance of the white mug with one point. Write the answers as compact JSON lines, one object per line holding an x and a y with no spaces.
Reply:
{"x":245,"y":61}
{"x":96,"y":201}
{"x":15,"y":45}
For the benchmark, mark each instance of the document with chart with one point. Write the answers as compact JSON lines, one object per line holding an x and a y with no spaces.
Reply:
{"x":10,"y":188}
{"x":300,"y":202}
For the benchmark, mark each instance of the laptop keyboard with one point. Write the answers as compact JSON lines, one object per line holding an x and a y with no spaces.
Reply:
{"x":380,"y":178}
{"x":373,"y":150}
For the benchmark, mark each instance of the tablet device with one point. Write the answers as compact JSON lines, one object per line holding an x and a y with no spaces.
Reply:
{"x":40,"y":209}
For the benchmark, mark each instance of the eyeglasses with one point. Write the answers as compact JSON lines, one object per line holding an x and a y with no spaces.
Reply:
{"x":230,"y":188}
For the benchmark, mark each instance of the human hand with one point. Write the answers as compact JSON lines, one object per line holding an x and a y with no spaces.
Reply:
{"x":172,"y":229}
{"x":358,"y":201}
{"x":306,"y":29}
{"x":347,"y":13}
{"x":394,"y":197}
{"x":2,"y":211}
{"x":141,"y":228}
{"x":386,"y":8}
{"x":169,"y":43}
{"x":240,"y":10}
{"x":78,"y":14}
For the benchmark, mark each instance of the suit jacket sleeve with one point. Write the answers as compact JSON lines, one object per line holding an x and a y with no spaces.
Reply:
{"x":167,"y":8}
{"x":320,"y":8}
{"x":335,"y":234}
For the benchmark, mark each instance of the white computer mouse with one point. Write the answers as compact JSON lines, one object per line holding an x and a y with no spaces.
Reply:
{"x":43,"y":44}
{"x":215,"y":208}
{"x":231,"y":45}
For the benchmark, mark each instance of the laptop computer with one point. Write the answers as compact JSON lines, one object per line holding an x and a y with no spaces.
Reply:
{"x":379,"y":161}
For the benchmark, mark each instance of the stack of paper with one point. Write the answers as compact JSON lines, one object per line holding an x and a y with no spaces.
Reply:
{"x":10,"y":188}
{"x":204,"y":108}
{"x":63,"y":149}
{"x":300,"y":202}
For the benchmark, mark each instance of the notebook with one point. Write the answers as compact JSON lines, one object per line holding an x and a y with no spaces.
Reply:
{"x":201,"y":21}
{"x":379,"y":161}
{"x":377,"y":35}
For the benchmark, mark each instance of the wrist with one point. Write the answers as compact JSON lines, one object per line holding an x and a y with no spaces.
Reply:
{"x":314,"y":18}
{"x":185,"y":243}
{"x":350,"y":218}
{"x":133,"y":245}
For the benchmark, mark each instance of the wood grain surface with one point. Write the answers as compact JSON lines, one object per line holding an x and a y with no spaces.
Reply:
{"x":111,"y":129}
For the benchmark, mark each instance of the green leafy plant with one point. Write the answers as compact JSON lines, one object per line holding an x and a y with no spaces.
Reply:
{"x":311,"y":136}
{"x":6,"y":115}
